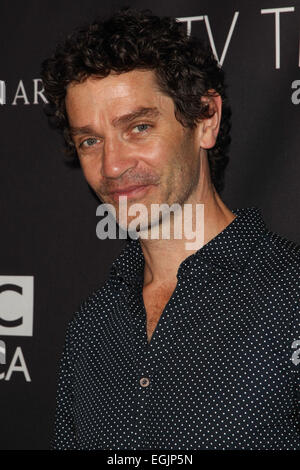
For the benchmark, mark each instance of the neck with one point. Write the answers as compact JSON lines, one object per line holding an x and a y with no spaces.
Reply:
{"x":164,"y":256}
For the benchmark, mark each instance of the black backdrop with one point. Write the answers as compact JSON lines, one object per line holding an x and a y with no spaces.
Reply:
{"x":49,"y":247}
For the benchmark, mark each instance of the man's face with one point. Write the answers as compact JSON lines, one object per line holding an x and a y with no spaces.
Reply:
{"x":126,"y":134}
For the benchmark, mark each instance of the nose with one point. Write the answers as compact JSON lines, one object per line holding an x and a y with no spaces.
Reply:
{"x":116,"y":158}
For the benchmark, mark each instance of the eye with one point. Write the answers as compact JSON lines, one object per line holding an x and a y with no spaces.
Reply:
{"x":141,"y":126}
{"x":88,"y":143}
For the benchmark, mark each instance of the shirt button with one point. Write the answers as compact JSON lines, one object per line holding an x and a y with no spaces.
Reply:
{"x":144,"y":381}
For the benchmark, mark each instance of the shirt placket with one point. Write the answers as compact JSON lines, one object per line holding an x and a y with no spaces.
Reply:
{"x":144,"y":372}
{"x":144,"y":384}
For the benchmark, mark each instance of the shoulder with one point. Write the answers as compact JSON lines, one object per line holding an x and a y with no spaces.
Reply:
{"x":276,"y":263}
{"x":281,"y":250}
{"x":272,"y":277}
{"x":95,"y":308}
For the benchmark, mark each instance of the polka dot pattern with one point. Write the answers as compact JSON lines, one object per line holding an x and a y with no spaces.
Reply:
{"x":218,"y":372}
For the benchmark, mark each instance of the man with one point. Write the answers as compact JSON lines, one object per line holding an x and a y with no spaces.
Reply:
{"x":177,"y":349}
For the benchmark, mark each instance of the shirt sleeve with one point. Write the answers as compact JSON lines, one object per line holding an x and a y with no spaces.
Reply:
{"x":64,"y":433}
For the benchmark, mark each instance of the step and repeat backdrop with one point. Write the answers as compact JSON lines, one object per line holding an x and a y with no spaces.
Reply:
{"x":50,"y":256}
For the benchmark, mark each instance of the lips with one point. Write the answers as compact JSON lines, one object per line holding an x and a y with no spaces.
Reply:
{"x":130,"y":191}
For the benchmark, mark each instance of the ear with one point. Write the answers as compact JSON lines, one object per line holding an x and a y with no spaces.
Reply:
{"x":209,"y":127}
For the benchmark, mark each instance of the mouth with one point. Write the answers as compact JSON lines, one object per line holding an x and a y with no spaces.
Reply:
{"x":132,"y":192}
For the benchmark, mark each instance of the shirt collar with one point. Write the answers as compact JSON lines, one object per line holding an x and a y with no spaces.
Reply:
{"x":230,"y":249}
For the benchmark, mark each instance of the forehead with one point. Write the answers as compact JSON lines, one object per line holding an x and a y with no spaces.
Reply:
{"x":130,"y":86}
{"x":116,"y":93}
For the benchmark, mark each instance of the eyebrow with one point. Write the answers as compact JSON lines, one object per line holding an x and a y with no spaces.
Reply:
{"x":120,"y":120}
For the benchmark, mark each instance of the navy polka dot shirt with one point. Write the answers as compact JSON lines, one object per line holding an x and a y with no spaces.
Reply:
{"x":222,"y":369}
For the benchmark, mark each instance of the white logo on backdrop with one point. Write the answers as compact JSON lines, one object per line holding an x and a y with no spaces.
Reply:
{"x":190,"y":19}
{"x":2,"y":92}
{"x":22,"y":95}
{"x":265,"y":11}
{"x":16,"y":305}
{"x":2,"y":352}
{"x":17,"y":363}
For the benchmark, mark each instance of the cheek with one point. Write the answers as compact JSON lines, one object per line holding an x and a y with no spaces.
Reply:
{"x":154,"y":149}
{"x":164,"y":156}
{"x":91,"y":170}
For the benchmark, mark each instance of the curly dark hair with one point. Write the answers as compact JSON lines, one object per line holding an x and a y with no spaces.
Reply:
{"x":184,"y":66}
